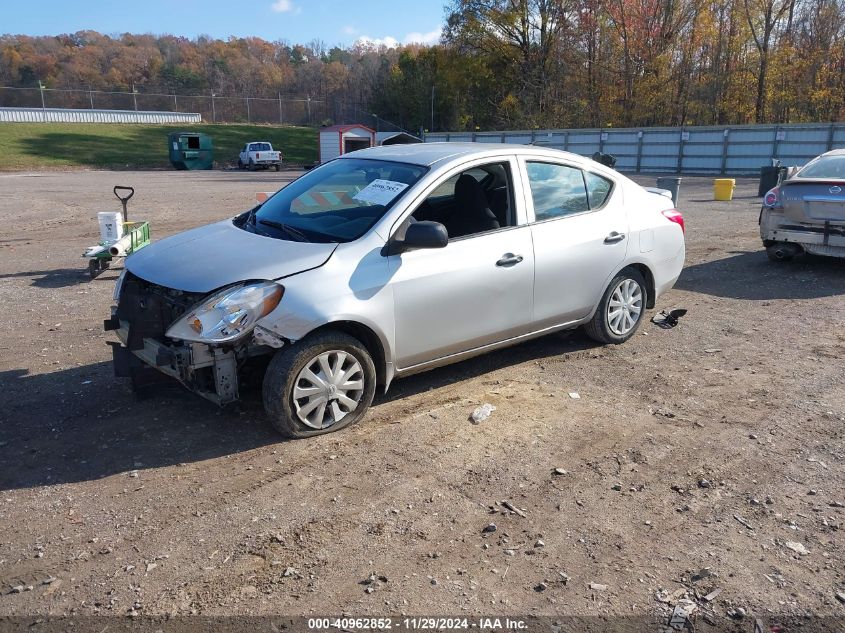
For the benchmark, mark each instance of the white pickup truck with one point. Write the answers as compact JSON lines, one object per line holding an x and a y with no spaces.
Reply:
{"x":259,"y":154}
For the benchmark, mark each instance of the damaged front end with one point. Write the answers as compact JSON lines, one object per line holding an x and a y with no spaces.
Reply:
{"x":200,"y":340}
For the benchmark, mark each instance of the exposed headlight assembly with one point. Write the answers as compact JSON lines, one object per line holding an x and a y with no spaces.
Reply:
{"x":228,"y":314}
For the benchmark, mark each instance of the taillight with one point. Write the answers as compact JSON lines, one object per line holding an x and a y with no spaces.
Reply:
{"x":673,"y":215}
{"x":772,"y":197}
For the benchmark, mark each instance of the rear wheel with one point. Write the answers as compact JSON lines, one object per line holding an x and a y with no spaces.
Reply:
{"x":322,"y":384}
{"x":278,"y":167}
{"x":251,"y":165}
{"x":620,"y":310}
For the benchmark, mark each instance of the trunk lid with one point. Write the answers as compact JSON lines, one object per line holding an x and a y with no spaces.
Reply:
{"x":814,"y":201}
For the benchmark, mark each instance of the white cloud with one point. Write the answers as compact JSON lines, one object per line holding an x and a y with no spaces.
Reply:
{"x":432,"y":37}
{"x":285,"y":6}
{"x":350,"y":30}
{"x":377,"y":42}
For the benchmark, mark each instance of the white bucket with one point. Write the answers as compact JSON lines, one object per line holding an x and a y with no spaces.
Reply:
{"x":111,"y":226}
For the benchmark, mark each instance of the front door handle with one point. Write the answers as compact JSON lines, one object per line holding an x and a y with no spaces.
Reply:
{"x":509,"y":259}
{"x":614,"y":237}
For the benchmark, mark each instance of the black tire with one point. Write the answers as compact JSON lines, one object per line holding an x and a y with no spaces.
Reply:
{"x":240,"y":164}
{"x":284,"y":368}
{"x":93,"y":267}
{"x":251,"y":165}
{"x":599,"y":328}
{"x":278,"y":167}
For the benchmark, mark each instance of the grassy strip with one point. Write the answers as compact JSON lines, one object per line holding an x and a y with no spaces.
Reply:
{"x":117,"y":146}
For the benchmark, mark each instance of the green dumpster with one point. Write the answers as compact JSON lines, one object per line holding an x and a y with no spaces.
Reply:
{"x":190,"y":150}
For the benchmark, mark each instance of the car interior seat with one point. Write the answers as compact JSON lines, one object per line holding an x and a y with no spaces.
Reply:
{"x":472,"y":213}
{"x":499,"y":205}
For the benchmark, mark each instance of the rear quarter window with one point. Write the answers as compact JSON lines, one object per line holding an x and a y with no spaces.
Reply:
{"x":598,"y":189}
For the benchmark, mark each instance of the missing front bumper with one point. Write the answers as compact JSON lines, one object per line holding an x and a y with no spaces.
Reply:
{"x":207,"y":371}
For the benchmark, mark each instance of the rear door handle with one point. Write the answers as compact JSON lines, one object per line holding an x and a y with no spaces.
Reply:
{"x":614,"y":237}
{"x":509,"y":259}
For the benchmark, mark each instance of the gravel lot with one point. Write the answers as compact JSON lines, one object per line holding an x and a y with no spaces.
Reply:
{"x":709,"y":456}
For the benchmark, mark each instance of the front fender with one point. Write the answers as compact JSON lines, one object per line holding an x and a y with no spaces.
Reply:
{"x":351,"y":288}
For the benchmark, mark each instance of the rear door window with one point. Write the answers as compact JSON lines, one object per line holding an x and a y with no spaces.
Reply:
{"x":557,"y":190}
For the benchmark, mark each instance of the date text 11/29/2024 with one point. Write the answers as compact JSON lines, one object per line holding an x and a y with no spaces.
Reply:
{"x":416,"y":624}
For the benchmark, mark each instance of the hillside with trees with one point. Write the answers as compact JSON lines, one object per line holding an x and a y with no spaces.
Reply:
{"x":501,"y":64}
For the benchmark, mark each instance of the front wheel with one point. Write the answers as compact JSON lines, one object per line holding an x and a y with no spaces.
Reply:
{"x":322,"y":384}
{"x":241,"y":164}
{"x":620,"y":310}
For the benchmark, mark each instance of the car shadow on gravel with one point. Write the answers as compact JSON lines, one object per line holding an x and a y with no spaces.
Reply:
{"x":81,"y":424}
{"x":750,"y":275}
{"x":537,"y":349}
{"x":58,"y":278}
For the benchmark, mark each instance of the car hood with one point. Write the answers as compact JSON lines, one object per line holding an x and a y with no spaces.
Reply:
{"x":220,"y":254}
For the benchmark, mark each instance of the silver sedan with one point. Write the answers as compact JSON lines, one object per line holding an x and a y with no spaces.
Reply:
{"x":390,"y":261}
{"x":806,"y":213}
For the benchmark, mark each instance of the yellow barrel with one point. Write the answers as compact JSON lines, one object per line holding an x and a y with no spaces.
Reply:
{"x":723,"y":188}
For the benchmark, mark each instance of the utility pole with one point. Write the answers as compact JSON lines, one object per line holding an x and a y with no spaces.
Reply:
{"x":175,"y":103}
{"x":91,"y":97}
{"x":43,"y":105}
{"x":213,"y":111}
{"x":281,"y":112}
{"x":432,"y":108}
{"x":309,"y":109}
{"x":247,"y":111}
{"x":135,"y":97}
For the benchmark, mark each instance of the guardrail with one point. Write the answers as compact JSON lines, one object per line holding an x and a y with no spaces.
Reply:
{"x":63,"y":115}
{"x":731,"y":149}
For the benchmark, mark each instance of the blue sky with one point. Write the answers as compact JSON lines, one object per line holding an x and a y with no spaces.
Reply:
{"x":297,"y":21}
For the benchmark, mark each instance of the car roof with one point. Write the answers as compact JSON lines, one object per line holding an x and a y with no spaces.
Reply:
{"x":428,"y":154}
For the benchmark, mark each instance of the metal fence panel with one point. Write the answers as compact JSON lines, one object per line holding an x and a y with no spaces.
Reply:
{"x":61,"y":115}
{"x":737,"y":149}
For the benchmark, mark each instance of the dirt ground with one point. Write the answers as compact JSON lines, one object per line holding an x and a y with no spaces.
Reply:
{"x":709,"y":456}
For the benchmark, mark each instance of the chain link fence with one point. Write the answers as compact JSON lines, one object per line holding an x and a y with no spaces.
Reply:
{"x":283,"y":109}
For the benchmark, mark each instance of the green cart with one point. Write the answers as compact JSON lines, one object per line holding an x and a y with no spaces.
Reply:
{"x":136,"y":235}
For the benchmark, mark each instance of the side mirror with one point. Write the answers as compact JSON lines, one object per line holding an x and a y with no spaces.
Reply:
{"x":425,"y":234}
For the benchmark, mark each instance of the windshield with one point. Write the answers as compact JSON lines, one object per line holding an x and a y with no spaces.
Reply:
{"x":825,"y":167}
{"x":337,"y":202}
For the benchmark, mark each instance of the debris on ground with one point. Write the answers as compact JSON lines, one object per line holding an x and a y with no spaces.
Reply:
{"x":712,"y":595}
{"x":797,"y":547}
{"x":743,"y":521}
{"x":668,"y":320}
{"x":507,"y":504}
{"x":482,"y":413}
